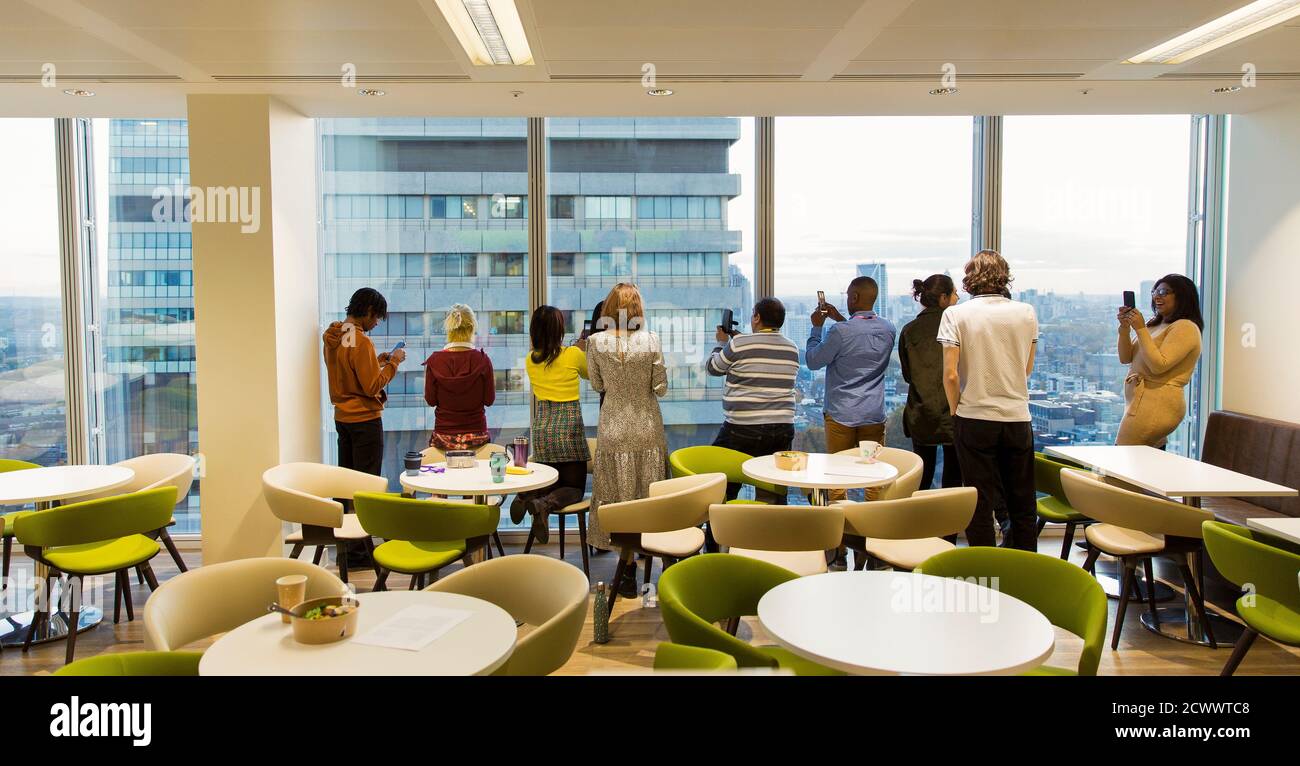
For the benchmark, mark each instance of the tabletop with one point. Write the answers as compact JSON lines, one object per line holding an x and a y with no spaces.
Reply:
{"x":478,"y":480}
{"x":901,"y":622}
{"x":1287,"y":529}
{"x":823,"y":472}
{"x":1167,"y":474}
{"x":60,"y":482}
{"x":265,"y":647}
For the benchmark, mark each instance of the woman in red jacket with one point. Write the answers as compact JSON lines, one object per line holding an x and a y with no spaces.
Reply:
{"x":459,"y":386}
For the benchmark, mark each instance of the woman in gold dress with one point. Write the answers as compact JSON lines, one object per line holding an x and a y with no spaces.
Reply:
{"x":1162,"y":355}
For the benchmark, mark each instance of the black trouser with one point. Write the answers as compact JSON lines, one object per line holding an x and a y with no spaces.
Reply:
{"x":567,"y":489}
{"x":361,"y":446}
{"x":756,"y":440}
{"x":929,"y":454}
{"x":997,"y":459}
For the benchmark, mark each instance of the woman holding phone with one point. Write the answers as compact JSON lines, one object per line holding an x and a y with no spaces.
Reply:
{"x":559,"y":436}
{"x":1162,"y":355}
{"x":459,"y":385}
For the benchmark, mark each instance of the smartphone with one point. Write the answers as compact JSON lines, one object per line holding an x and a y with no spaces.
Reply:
{"x":400,"y":344}
{"x":821,"y":297}
{"x":586,"y":328}
{"x":1130,"y":301}
{"x":727,"y":321}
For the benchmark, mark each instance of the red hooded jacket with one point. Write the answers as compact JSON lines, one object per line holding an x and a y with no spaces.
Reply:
{"x":459,"y":385}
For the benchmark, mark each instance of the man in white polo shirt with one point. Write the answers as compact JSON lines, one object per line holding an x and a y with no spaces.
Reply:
{"x":989,"y":344}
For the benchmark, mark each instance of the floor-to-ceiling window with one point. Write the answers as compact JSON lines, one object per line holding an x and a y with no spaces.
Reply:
{"x":32,"y":395}
{"x":667,"y":204}
{"x":430,"y":212}
{"x":1092,"y":206}
{"x":884,"y":197}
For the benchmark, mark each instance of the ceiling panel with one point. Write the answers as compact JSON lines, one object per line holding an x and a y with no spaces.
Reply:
{"x":1063,"y":14}
{"x":951,"y":44}
{"x":661,"y":44}
{"x":263,"y":14}
{"x":207,"y":47}
{"x":688,"y":14}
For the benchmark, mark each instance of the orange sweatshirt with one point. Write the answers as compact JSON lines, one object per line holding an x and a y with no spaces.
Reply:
{"x":356,"y":378}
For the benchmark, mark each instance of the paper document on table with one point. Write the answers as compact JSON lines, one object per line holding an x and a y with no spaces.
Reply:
{"x":413,"y":628}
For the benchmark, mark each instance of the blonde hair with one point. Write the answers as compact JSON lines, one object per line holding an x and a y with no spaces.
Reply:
{"x":987,"y":272}
{"x":623,"y":308}
{"x":460,"y":323}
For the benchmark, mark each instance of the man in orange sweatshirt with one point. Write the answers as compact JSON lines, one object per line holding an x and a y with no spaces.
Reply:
{"x":357,"y":378}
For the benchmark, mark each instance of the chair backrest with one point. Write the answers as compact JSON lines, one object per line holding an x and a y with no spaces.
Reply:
{"x":1047,"y":476}
{"x":94,"y":521}
{"x":1245,"y":556}
{"x":135,"y":664}
{"x":1109,"y":504}
{"x":545,"y":593}
{"x":430,"y":455}
{"x":689,"y":461}
{"x":1261,"y":447}
{"x":217,"y":598}
{"x":302,"y":493}
{"x":702,"y":590}
{"x":777,"y":527}
{"x":1068,"y":596}
{"x":670,"y":656}
{"x":926,"y":513}
{"x":163,"y":468}
{"x":393,"y":517}
{"x":909,"y":465}
{"x":673,"y":504}
{"x":7,"y":465}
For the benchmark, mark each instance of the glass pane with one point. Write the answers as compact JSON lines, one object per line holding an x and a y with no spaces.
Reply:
{"x":1078,"y":228}
{"x":458,"y":158}
{"x":905,"y":215}
{"x":145,"y":373}
{"x":32,"y":398}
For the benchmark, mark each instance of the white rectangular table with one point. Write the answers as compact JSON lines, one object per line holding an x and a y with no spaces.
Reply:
{"x":1287,"y":529}
{"x":1174,"y":476}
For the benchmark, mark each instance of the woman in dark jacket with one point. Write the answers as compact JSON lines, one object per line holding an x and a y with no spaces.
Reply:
{"x":926,"y":419}
{"x":459,"y":385}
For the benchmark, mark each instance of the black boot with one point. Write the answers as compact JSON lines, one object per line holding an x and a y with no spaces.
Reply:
{"x":631,"y":586}
{"x":520,"y":506}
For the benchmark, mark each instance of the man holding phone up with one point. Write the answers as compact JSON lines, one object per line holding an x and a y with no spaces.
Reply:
{"x":758,"y":398}
{"x":357,"y":378}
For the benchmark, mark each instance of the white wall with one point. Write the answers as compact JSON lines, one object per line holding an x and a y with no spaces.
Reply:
{"x":1262,"y":278}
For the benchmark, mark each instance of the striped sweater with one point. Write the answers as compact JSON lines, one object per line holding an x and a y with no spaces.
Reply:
{"x":760,"y":369}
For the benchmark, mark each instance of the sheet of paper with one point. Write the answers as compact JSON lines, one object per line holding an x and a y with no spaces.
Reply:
{"x":413,"y":628}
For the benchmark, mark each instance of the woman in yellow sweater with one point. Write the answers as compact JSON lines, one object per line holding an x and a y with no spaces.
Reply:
{"x":559,"y":438}
{"x":1162,"y":356}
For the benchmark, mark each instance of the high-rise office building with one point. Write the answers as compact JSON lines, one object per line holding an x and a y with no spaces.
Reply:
{"x":880,"y":273}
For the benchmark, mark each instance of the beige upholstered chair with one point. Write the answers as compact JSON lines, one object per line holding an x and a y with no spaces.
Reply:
{"x":904,"y":532}
{"x":548,"y":595}
{"x":909,"y":465}
{"x":220,"y":597}
{"x":1134,"y":527}
{"x":430,"y":455}
{"x":579,"y":509}
{"x":791,"y":536}
{"x":665,"y":524}
{"x":160,"y":470}
{"x":308,"y":494}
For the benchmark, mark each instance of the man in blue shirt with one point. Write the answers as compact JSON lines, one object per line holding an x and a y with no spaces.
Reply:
{"x":855,"y":352}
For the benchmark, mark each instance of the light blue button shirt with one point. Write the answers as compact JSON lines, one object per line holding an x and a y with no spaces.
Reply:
{"x":855,"y":354}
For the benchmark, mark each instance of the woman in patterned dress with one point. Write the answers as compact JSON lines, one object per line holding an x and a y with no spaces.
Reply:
{"x":626,"y":363}
{"x":559,"y":438}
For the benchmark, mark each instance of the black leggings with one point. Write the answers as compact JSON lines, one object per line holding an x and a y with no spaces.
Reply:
{"x":930,"y":456}
{"x":567,"y":489}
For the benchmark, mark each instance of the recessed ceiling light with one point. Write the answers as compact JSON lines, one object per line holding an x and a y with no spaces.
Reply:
{"x":489,"y":30}
{"x":659,"y":92}
{"x":1229,"y":28}
{"x":370,"y":92}
{"x":1227,"y":89}
{"x":943,"y":91}
{"x":78,"y":92}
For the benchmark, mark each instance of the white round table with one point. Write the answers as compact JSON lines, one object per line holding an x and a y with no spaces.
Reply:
{"x":903,"y":623}
{"x":824,"y":473}
{"x":265,"y":647}
{"x":43,"y":486}
{"x":477,"y":481}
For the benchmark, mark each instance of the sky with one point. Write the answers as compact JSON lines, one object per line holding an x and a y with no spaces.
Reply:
{"x":1090,"y":204}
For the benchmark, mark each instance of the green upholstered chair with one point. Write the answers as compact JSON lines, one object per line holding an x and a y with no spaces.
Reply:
{"x":689,"y":461}
{"x":1068,"y":597}
{"x":423,"y":535}
{"x":670,"y":656}
{"x":1055,"y":508}
{"x":700,"y":591}
{"x":96,"y":537}
{"x":135,"y":664}
{"x":8,"y":535}
{"x":1270,"y":566}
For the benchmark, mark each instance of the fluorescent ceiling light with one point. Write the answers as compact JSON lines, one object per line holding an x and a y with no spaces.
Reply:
{"x":490,"y":31}
{"x":1243,"y":22}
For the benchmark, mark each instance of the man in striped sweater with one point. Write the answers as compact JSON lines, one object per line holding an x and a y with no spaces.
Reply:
{"x":758,"y":400}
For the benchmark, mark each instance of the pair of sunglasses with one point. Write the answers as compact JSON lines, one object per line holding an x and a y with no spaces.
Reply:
{"x":1162,"y":292}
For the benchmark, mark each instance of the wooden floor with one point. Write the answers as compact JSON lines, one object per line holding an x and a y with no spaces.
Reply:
{"x":635,"y":631}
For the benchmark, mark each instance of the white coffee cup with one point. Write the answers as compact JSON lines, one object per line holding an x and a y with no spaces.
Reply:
{"x":869,"y":449}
